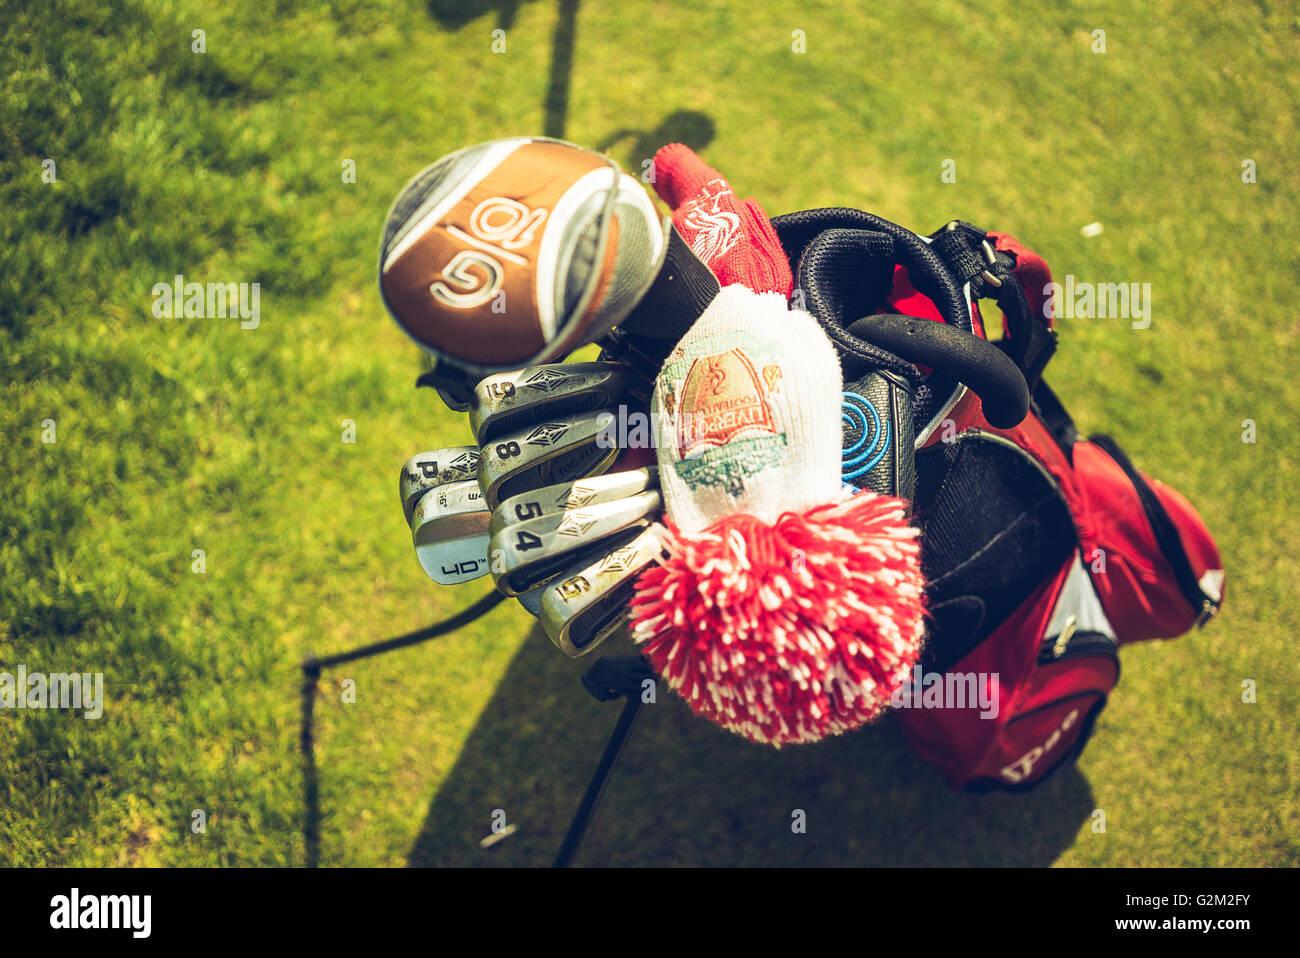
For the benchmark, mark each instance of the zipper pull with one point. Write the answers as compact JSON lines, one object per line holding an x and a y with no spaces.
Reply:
{"x":1063,"y":640}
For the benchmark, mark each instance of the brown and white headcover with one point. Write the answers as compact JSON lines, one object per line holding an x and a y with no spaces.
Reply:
{"x":517,"y":251}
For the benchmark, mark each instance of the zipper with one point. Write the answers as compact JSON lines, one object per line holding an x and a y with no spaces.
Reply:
{"x":1075,"y":644}
{"x":1167,"y":540}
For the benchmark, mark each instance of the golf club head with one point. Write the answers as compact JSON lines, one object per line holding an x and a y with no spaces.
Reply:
{"x":515,"y":252}
{"x":578,"y":561}
{"x":449,"y":526}
{"x":582,"y":609}
{"x":553,"y":451}
{"x":526,"y":554}
{"x":572,"y":495}
{"x":532,"y":599}
{"x":509,"y":401}
{"x":437,"y":467}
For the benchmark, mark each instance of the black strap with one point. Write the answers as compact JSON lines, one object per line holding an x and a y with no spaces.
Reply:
{"x":1032,"y":341}
{"x":1166,"y":534}
{"x":969,"y":253}
{"x":1054,"y":416}
{"x":958,"y":244}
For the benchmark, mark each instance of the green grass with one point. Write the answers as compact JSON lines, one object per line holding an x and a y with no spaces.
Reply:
{"x":176,"y":435}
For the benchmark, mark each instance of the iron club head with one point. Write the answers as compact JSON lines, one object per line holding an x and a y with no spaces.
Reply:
{"x":510,"y":401}
{"x":450,"y":529}
{"x":554,"y":451}
{"x":436,"y":467}
{"x":525,"y":554}
{"x":580,"y":610}
{"x":590,"y":491}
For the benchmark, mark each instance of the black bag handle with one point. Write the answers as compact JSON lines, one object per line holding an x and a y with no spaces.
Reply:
{"x":989,"y":372}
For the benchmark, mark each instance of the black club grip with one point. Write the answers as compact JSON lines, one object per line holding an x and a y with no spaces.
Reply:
{"x":975,"y":362}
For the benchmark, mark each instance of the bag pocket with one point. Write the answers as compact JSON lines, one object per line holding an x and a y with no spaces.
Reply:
{"x":1053,"y":712}
{"x":1056,"y":712}
{"x":1157,"y":569}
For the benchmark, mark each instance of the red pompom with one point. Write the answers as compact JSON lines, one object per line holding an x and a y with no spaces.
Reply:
{"x":788,"y":632}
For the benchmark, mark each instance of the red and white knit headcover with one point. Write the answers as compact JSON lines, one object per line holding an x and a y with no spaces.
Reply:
{"x":789,"y":609}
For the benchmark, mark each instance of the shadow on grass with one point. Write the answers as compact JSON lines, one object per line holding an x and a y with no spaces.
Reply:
{"x":688,"y":793}
{"x":691,"y":127}
{"x":454,"y":14}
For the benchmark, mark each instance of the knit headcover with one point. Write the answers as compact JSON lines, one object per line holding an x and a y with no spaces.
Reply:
{"x":789,"y":608}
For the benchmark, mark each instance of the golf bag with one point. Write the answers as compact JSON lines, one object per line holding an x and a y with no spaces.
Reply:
{"x":1043,"y":552}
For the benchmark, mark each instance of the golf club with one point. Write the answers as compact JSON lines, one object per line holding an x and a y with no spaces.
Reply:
{"x":572,"y":495}
{"x":516,"y":252}
{"x":510,"y":401}
{"x":583,"y":609}
{"x":532,"y":599}
{"x":449,"y":526}
{"x":425,"y":470}
{"x":557,"y":450}
{"x":526,"y":554}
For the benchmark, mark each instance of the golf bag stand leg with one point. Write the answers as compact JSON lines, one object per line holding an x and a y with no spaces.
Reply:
{"x":607,"y":680}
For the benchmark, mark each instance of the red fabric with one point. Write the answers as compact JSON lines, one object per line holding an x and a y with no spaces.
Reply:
{"x":1038,"y":740}
{"x":1137,"y":587}
{"x":1044,"y":708}
{"x":635,"y":457}
{"x":1032,"y":271}
{"x":954,"y":740}
{"x":734,"y":239}
{"x":1138,"y":590}
{"x":905,"y":299}
{"x":1138,"y":593}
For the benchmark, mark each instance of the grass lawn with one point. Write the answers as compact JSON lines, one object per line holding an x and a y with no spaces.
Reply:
{"x":176,"y":435}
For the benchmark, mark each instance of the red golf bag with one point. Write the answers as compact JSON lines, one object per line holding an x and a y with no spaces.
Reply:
{"x":1043,"y":552}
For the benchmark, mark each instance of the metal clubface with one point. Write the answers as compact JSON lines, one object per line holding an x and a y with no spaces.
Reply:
{"x":572,"y":495}
{"x":582,"y":610}
{"x":554,"y":451}
{"x":436,"y":467}
{"x":510,"y":401}
{"x":526,"y":554}
{"x":532,"y":599}
{"x":450,"y":528}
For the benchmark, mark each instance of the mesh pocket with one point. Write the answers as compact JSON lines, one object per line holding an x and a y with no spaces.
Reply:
{"x":992,"y":522}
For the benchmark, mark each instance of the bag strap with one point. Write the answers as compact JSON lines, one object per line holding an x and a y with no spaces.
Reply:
{"x":997,"y":267}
